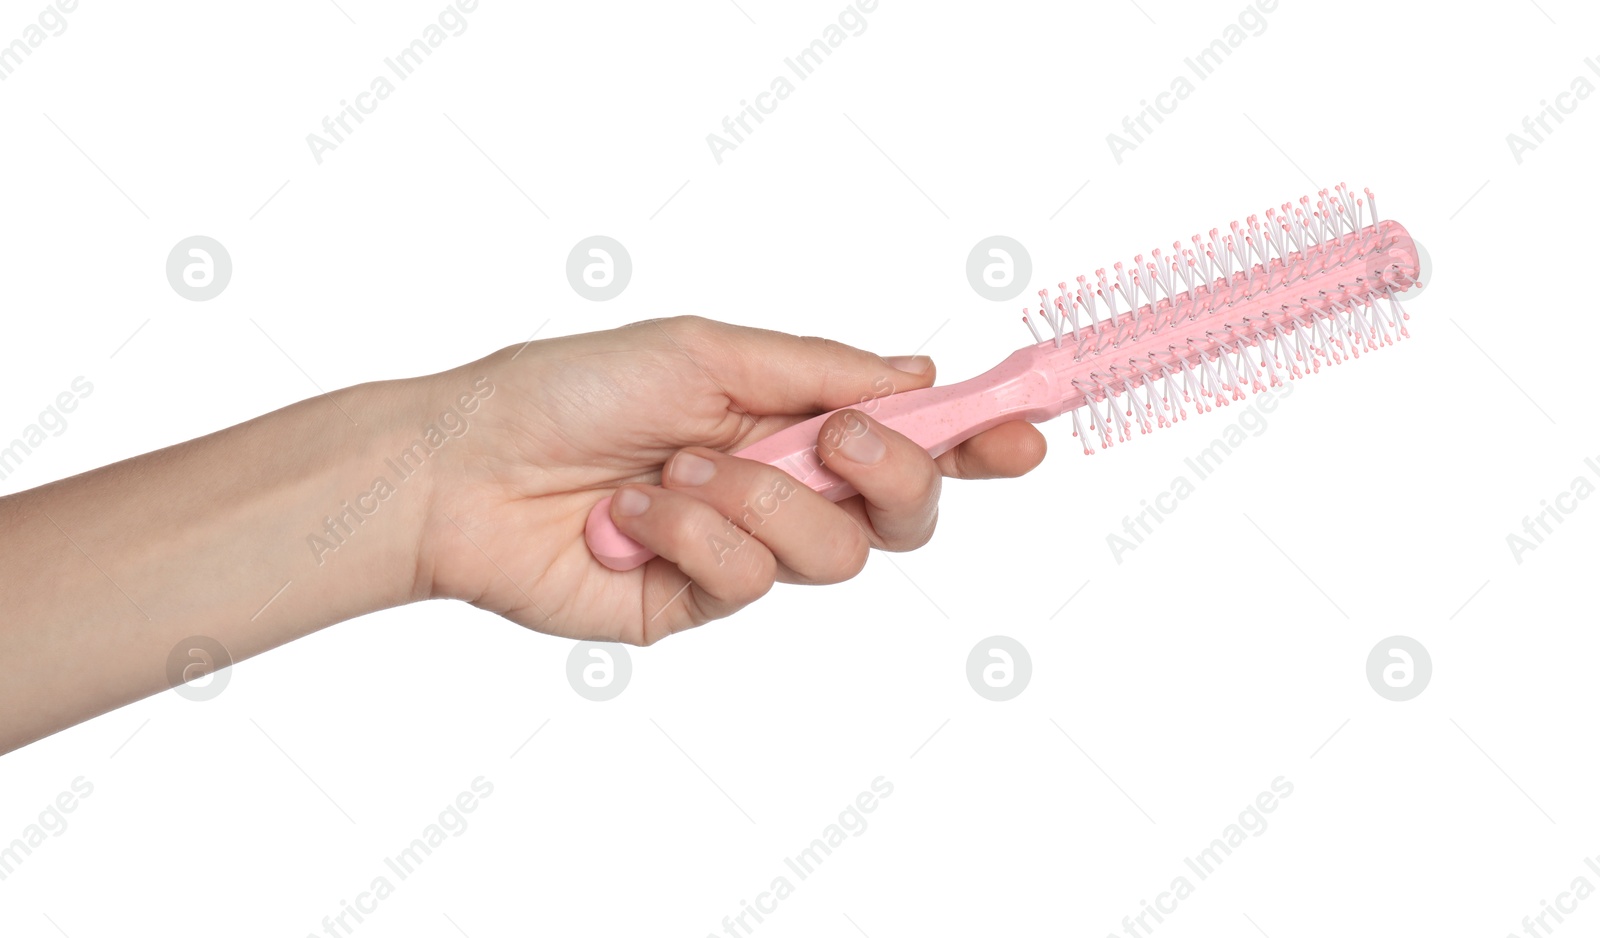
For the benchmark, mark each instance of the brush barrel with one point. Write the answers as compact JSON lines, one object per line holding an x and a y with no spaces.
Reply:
{"x":1042,"y":381}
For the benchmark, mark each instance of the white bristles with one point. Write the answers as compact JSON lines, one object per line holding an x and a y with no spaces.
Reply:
{"x":1050,"y":317}
{"x":1104,"y":292}
{"x":1077,"y":431}
{"x":1296,"y":232}
{"x":1186,"y":270}
{"x":1129,"y":293}
{"x":1037,"y":338}
{"x":1141,"y":273}
{"x":1219,"y":296}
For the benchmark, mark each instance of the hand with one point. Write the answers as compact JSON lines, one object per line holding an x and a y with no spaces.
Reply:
{"x":560,"y":424}
{"x":474,"y":484}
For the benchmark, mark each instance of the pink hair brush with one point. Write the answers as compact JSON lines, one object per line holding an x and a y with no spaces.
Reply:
{"x":1237,"y":312}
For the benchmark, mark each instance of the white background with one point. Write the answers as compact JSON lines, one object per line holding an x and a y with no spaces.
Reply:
{"x":1223,"y":653}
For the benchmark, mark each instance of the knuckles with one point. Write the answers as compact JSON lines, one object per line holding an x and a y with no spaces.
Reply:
{"x":846,"y":555}
{"x":753,"y":572}
{"x":922,"y":492}
{"x":924,"y":535}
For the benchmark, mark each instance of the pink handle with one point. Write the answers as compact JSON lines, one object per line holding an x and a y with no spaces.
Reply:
{"x":1023,"y":386}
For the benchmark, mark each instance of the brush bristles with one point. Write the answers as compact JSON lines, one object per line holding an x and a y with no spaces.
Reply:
{"x":1235,"y":314}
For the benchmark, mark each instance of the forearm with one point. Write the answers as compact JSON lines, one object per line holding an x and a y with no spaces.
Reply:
{"x":252,"y":536}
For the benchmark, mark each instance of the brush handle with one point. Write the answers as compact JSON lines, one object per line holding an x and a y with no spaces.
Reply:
{"x":1024,"y":387}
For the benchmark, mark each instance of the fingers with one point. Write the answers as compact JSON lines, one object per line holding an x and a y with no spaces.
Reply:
{"x":726,"y":528}
{"x":812,"y":540}
{"x":725,"y":568}
{"x":1004,"y":452}
{"x":898,"y":481}
{"x":767,"y":372}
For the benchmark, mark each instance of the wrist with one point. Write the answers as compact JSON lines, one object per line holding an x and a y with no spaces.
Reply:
{"x":415,"y":456}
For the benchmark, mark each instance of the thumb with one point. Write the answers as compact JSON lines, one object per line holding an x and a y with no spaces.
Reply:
{"x":767,"y":372}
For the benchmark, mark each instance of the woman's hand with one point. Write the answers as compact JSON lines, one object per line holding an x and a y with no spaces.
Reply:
{"x":474,"y":484}
{"x":566,"y":421}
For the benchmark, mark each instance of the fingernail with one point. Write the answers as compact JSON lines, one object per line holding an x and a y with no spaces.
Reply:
{"x":861,"y":443}
{"x":689,"y":469}
{"x":630,"y":502}
{"x":911,"y":364}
